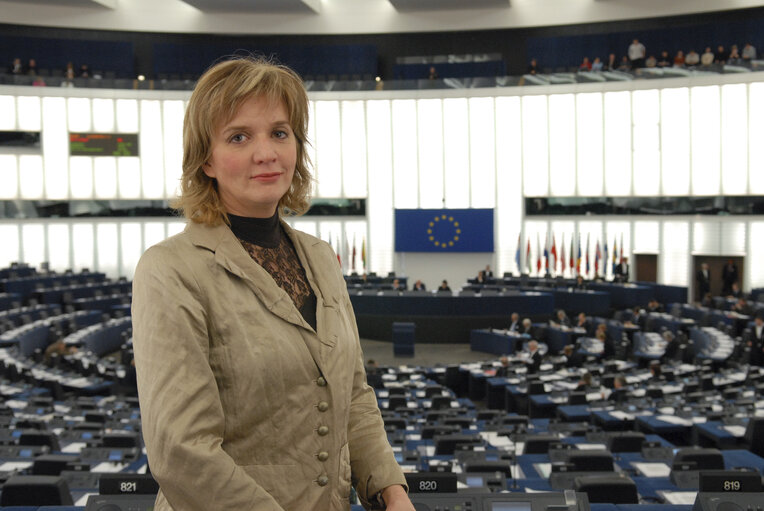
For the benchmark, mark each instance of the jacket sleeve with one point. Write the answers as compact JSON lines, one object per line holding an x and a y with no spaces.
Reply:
{"x":371,"y":458}
{"x":182,"y":416}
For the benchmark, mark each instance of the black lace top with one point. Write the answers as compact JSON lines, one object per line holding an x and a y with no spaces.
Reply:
{"x":268,"y":245}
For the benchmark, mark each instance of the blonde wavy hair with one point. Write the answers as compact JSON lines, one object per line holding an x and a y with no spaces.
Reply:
{"x":217,"y":96}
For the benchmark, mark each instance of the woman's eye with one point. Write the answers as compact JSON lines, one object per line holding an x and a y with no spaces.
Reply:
{"x":237,"y":138}
{"x":280,"y":134}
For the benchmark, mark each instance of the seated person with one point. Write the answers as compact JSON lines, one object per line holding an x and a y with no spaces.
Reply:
{"x":743,"y":307}
{"x":419,"y":286}
{"x":444,"y":287}
{"x":503,"y":371}
{"x":515,"y":325}
{"x":481,"y":278}
{"x":620,"y":391}
{"x":654,"y":306}
{"x":583,"y":322}
{"x":488,"y":272}
{"x":398,"y":286}
{"x":534,"y":357}
{"x":580,"y":284}
{"x":527,"y":327}
{"x":586,"y":382}
{"x":561,"y":319}
{"x":735,"y":291}
{"x":572,"y":357}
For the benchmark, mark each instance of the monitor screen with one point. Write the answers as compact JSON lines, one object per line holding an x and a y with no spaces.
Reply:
{"x":510,"y":506}
{"x":474,"y":482}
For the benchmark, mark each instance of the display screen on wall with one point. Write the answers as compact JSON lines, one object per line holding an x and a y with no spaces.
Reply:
{"x":25,"y":139}
{"x":103,"y":144}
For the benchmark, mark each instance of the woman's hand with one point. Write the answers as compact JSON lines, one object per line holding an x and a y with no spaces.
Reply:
{"x":396,"y":499}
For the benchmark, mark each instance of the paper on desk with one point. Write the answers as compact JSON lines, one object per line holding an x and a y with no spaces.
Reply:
{"x":652,"y":469}
{"x":12,"y":466}
{"x":671,"y":419}
{"x":497,"y":440}
{"x":678,"y":497}
{"x":622,"y":415}
{"x":109,"y":466}
{"x":543,"y":469}
{"x":83,"y":501}
{"x":735,"y":430}
{"x":74,"y":448}
{"x":591,"y":447}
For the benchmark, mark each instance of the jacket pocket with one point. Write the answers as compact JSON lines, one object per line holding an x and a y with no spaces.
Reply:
{"x":344,"y":476}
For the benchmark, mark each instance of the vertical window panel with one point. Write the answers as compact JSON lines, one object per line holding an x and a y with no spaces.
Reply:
{"x":83,"y":244}
{"x":353,"y":149}
{"x":310,"y":147}
{"x":430,"y":137}
{"x":8,"y":109}
{"x":535,"y":146}
{"x":733,"y":238}
{"x":127,"y":116}
{"x":306,"y":226}
{"x":153,"y":233}
{"x":674,"y":260}
{"x":405,"y":168}
{"x":33,"y":244}
{"x":28,"y":112}
{"x":675,"y":141}
{"x":30,"y":176}
{"x":457,"y":152}
{"x":646,"y":237}
{"x":9,"y":176}
{"x":103,"y":115}
{"x":562,"y":144}
{"x":59,"y":247}
{"x":107,"y":245}
{"x":81,"y":172}
{"x":130,"y":244}
{"x":172,"y":116}
{"x":78,"y":113}
{"x":706,"y":140}
{"x":646,"y":144}
{"x":152,"y":150}
{"x":129,"y":177}
{"x":9,"y":248}
{"x":706,"y":238}
{"x":328,"y":149}
{"x":755,"y":136}
{"x":756,"y":253}
{"x":55,"y":149}
{"x":618,"y":152}
{"x":509,"y":178}
{"x":618,"y":236}
{"x":174,"y":228}
{"x":482,"y":153}
{"x":380,"y":214}
{"x":734,"y":139}
{"x":105,"y":177}
{"x":589,"y":137}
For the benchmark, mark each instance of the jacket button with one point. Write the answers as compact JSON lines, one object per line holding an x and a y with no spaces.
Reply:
{"x":323,"y":430}
{"x":323,"y":456}
{"x":322,"y":480}
{"x":323,"y":406}
{"x":321,"y":381}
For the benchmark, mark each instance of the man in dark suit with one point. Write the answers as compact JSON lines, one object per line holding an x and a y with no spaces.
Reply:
{"x":515,"y":325}
{"x":503,"y":371}
{"x":757,"y":341}
{"x":729,"y":277}
{"x":534,"y":357}
{"x":621,"y":273}
{"x":703,"y":279}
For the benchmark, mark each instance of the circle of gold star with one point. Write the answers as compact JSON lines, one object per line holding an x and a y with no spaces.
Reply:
{"x":443,"y":231}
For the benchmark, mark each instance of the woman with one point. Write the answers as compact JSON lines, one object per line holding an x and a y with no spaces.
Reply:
{"x":250,"y":373}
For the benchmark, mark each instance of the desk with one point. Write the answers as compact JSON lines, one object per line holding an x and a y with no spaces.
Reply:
{"x":625,"y":296}
{"x":666,"y":294}
{"x":495,"y":342}
{"x":443,"y":319}
{"x":6,"y":299}
{"x":557,"y":338}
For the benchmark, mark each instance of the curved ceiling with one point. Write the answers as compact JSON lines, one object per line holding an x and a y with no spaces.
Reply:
{"x":339,"y":16}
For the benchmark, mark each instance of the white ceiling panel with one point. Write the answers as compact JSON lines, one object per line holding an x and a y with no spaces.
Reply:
{"x":255,"y":6}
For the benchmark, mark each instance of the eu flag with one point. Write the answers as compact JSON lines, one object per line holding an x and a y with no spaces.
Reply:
{"x":444,"y":230}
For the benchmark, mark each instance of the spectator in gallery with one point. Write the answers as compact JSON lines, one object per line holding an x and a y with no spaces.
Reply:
{"x":515,"y":325}
{"x":433,"y":73}
{"x":227,"y":310}
{"x":692,"y":58}
{"x":749,"y":52}
{"x":585,"y":65}
{"x":636,"y":53}
{"x":664,"y":60}
{"x":707,"y":58}
{"x":734,"y":57}
{"x":722,"y":55}
{"x":31,"y":68}
{"x":533,"y":68}
{"x":597,"y":64}
{"x":444,"y":287}
{"x":651,"y":61}
{"x":625,"y":64}
{"x":703,"y":280}
{"x":612,"y":62}
{"x":16,"y":68}
{"x":729,"y":276}
{"x":419,"y":286}
{"x":679,"y":59}
{"x":69,"y":72}
{"x":398,"y":286}
{"x":84,"y":71}
{"x":39,"y":81}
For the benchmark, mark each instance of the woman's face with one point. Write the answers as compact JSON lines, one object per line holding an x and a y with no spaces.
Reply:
{"x":253,"y":158}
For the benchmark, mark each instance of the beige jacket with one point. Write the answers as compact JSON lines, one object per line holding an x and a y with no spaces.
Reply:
{"x":244,"y":405}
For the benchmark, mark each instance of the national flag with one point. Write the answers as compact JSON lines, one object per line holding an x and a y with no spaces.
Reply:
{"x":563,"y":253}
{"x":597,"y":257}
{"x":538,"y":255}
{"x":615,"y":254}
{"x":621,"y":249}
{"x":578,"y":260}
{"x":363,"y":253}
{"x":517,"y":254}
{"x":546,"y":252}
{"x":554,"y":254}
{"x":572,"y":259}
{"x":587,"y":254}
{"x":528,"y":256}
{"x":605,"y":259}
{"x":352,"y":255}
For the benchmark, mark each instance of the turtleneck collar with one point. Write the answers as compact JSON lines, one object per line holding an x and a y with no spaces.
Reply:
{"x":264,"y":232}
